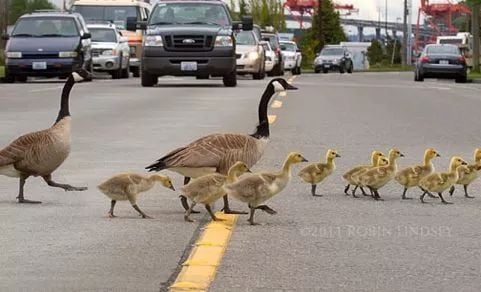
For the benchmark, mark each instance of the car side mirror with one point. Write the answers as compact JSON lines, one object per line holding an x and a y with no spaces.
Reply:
{"x":247,"y":23}
{"x":133,"y":24}
{"x":298,"y":50}
{"x":86,"y":35}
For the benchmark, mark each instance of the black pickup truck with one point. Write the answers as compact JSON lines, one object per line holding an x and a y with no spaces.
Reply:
{"x":189,"y":38}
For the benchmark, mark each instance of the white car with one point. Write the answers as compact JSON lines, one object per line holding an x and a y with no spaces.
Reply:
{"x":292,"y":56}
{"x":250,"y":55}
{"x":110,"y":50}
{"x":271,"y":57}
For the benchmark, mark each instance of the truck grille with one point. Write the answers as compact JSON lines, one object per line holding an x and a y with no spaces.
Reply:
{"x":188,"y":42}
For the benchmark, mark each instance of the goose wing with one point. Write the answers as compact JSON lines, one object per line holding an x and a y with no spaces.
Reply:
{"x":22,"y":147}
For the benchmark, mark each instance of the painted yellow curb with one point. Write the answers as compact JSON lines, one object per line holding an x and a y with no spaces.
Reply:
{"x":271,"y":119}
{"x":198,"y":271}
{"x":283,"y":93}
{"x":276,"y":104}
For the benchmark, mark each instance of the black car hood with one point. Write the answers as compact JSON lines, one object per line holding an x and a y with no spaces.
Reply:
{"x":189,"y":29}
{"x":42,"y":44}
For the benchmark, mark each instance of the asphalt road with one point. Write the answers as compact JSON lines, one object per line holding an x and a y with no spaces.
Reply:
{"x":333,"y":243}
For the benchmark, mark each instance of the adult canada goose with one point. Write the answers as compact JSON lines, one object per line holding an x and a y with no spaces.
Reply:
{"x":257,"y":188}
{"x":470,"y":175}
{"x":411,"y":176}
{"x":127,"y":186}
{"x":438,"y":182}
{"x":210,"y":187}
{"x":218,"y":152}
{"x":348,"y":176}
{"x":41,"y":153}
{"x":315,"y":173}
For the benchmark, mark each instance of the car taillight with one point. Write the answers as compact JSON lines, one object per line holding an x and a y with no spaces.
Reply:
{"x":424,"y":59}
{"x":461,"y":60}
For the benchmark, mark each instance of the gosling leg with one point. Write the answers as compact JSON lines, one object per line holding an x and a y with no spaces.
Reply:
{"x":313,"y":191}
{"x":404,"y":194}
{"x":466,"y":192}
{"x":422,"y":197}
{"x":452,"y":190}
{"x":347,"y":189}
{"x":183,"y":199}
{"x":267,"y":209}
{"x":428,"y":193}
{"x":20,"y":197}
{"x":377,"y":196}
{"x":188,"y":212}
{"x":111,"y":211}
{"x":354,"y":191}
{"x":145,"y":216}
{"x":363,"y":192}
{"x":442,"y":199}
{"x":251,"y":217}
{"x":227,"y":209}
{"x":212,"y":215}
{"x":66,"y":187}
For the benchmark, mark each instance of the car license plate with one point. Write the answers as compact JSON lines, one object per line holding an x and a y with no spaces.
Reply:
{"x":188,"y":66}
{"x":39,"y":65}
{"x":443,"y":62}
{"x":327,"y":66}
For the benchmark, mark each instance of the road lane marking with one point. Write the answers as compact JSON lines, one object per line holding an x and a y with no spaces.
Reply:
{"x":45,"y":89}
{"x":272,"y":119}
{"x":276,"y":104}
{"x":283,"y":93}
{"x":199,"y":270}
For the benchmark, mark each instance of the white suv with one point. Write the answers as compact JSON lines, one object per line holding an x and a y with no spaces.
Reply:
{"x":292,"y":56}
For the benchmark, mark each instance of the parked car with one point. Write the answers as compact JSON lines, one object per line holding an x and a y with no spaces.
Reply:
{"x":50,"y":44}
{"x":273,"y":39}
{"x":110,"y":50}
{"x":292,"y":56}
{"x":441,"y":61}
{"x":189,"y":38}
{"x":250,"y":55}
{"x":117,"y":12}
{"x":333,"y":58}
{"x":271,"y":57}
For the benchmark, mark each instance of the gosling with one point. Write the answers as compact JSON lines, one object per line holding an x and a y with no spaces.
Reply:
{"x":438,"y":182}
{"x":315,"y":173}
{"x":127,"y":186}
{"x":411,"y":176}
{"x":257,"y":188}
{"x":355,"y":171}
{"x":209,"y":188}
{"x":471,"y":174}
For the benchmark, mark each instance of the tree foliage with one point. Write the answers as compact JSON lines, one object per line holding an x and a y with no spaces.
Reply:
{"x":375,"y":53}
{"x":264,"y":12}
{"x":19,"y":7}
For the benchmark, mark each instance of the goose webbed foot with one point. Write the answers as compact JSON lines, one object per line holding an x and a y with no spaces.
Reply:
{"x":443,"y":200}
{"x":141,"y":213}
{"x":66,"y":187}
{"x":377,"y":197}
{"x":466,"y":192}
{"x":185,"y":204}
{"x":25,"y":201}
{"x":20,"y":198}
{"x":111,"y":211}
{"x":404,"y":195}
{"x":363,"y":192}
{"x":227,"y":209}
{"x":452,"y":190}
{"x":212,"y":215}
{"x":251,"y":217}
{"x":267,"y":209}
{"x":313,"y":191}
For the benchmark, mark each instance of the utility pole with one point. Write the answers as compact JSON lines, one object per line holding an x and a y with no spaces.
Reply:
{"x":3,"y":20}
{"x":385,"y":19}
{"x":405,"y":34}
{"x":475,"y":29}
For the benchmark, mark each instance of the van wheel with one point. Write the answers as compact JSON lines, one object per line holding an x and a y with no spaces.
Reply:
{"x":22,"y":78}
{"x":9,"y":78}
{"x":148,"y":80}
{"x":230,"y":80}
{"x":461,"y":79}
{"x":135,"y":71}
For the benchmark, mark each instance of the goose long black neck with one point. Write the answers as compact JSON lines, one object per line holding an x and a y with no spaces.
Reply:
{"x":263,"y":126}
{"x":64,"y":102}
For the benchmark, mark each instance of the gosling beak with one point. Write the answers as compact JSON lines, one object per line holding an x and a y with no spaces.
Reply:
{"x":172,"y":188}
{"x":290,"y":87}
{"x":464,"y":163}
{"x":401,"y":155}
{"x":304,"y":160}
{"x":249,"y":171}
{"x":437,"y":155}
{"x":337,"y":155}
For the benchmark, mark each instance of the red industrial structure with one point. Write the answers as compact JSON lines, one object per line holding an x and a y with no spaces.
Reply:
{"x":302,"y":7}
{"x":439,"y":17}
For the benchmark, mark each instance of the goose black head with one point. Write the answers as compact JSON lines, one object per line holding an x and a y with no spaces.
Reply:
{"x":280,"y":84}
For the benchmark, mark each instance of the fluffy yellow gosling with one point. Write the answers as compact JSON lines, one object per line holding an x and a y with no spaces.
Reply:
{"x":315,"y":173}
{"x":466,"y":178}
{"x":352,"y":175}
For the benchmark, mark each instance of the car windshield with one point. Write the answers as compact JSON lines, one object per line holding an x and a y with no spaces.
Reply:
{"x":103,"y":35}
{"x":189,"y":13}
{"x":245,"y":38}
{"x":46,"y":27}
{"x":332,"y":52}
{"x":116,"y":14}
{"x":272,"y":39}
{"x":442,"y":50}
{"x":289,"y":47}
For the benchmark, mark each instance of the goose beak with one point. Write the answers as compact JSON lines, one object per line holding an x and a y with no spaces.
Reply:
{"x":337,"y":155}
{"x":291,"y":87}
{"x":437,"y":155}
{"x":464,"y":163}
{"x":401,"y":155}
{"x":304,"y":160}
{"x":172,"y":188}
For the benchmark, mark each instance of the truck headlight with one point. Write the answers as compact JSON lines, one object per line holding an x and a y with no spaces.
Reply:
{"x":153,"y":41}
{"x":67,"y":54}
{"x":223,"y":41}
{"x":252,"y":56}
{"x":109,"y":53}
{"x":14,"y":55}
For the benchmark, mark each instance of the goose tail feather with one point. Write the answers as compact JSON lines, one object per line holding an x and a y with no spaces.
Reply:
{"x":157,"y":166}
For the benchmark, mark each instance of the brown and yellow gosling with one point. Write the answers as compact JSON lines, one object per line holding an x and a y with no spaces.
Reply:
{"x":470,"y":175}
{"x":315,"y":173}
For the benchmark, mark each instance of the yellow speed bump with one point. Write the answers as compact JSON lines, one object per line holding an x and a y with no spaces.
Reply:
{"x":198,"y":271}
{"x":283,"y":93}
{"x":272,"y":119}
{"x":276,"y":104}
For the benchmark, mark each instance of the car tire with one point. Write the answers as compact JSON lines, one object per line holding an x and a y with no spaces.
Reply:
{"x":22,"y":78}
{"x":9,"y":78}
{"x":325,"y":71}
{"x":342,"y":69}
{"x":230,"y":80}
{"x":117,"y":74}
{"x":259,"y":75}
{"x":461,"y":79}
{"x":420,"y":77}
{"x":135,"y":71}
{"x":148,"y":80}
{"x":350,"y":69}
{"x":126,"y":71}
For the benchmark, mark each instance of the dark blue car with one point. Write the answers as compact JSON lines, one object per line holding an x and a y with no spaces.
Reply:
{"x":49,"y":44}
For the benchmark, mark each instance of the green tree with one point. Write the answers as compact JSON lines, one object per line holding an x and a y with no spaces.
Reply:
{"x":475,"y":8}
{"x":396,"y":46}
{"x":268,"y":13}
{"x":375,"y":53}
{"x":19,"y":7}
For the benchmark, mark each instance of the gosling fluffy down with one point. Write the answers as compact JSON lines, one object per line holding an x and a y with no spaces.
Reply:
{"x":315,"y":173}
{"x":411,"y":176}
{"x":127,"y":186}
{"x":470,"y":174}
{"x":352,"y":175}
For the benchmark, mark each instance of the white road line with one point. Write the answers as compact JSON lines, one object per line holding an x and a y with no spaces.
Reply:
{"x":45,"y":89}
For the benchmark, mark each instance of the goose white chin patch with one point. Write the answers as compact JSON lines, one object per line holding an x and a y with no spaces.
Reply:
{"x":277,"y":86}
{"x":77,"y":77}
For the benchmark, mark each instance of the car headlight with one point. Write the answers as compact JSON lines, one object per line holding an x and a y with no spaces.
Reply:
{"x":109,"y":53}
{"x":67,"y":54}
{"x":153,"y":41}
{"x":252,"y":55}
{"x":223,"y":41}
{"x":16,"y":55}
{"x":335,"y":61}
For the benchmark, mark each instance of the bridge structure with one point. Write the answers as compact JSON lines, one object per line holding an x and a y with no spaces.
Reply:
{"x":360,"y":24}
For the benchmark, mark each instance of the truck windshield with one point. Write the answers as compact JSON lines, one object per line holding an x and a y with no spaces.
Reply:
{"x":289,"y":47}
{"x":189,"y":13}
{"x":103,"y":35}
{"x":245,"y":38}
{"x":116,"y":14}
{"x":45,"y":27}
{"x":453,"y":41}
{"x":332,"y":52}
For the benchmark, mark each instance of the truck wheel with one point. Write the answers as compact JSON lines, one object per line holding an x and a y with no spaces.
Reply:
{"x":135,"y":71}
{"x":317,"y":70}
{"x":325,"y":71}
{"x":342,"y":69}
{"x":230,"y":80}
{"x":9,"y":78}
{"x":148,"y":80}
{"x":22,"y":78}
{"x":350,"y":69}
{"x":117,"y":74}
{"x":461,"y":79}
{"x":126,"y":71}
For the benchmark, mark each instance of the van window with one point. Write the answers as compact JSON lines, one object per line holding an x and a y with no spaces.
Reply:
{"x":116,"y":14}
{"x":46,"y":27}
